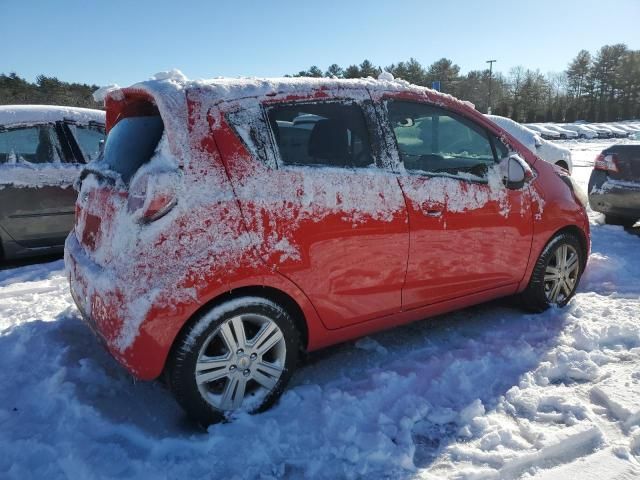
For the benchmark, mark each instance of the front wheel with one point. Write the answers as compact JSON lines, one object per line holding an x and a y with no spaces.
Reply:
{"x":556,"y":274}
{"x":238,"y":356}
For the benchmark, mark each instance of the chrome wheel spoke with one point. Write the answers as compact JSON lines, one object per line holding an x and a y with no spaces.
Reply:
{"x":572,"y":263}
{"x":551,"y":277}
{"x":553,"y":293}
{"x":209,"y":371}
{"x":552,"y":270}
{"x":566,"y":288}
{"x":233,"y":393}
{"x":266,"y":381}
{"x":269,"y":368}
{"x":266,"y":338}
{"x":232,"y":332}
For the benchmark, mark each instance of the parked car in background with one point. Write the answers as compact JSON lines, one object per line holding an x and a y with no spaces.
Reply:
{"x":615,"y":132}
{"x":614,"y":185}
{"x":582,"y":130}
{"x":544,"y":132}
{"x":630,"y":129}
{"x":601,"y":131}
{"x":213,"y":250}
{"x":42,"y":149}
{"x":548,"y":151}
{"x":564,"y":133}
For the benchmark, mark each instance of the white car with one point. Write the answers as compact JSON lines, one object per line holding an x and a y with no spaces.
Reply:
{"x":627,"y":128}
{"x":543,"y":131}
{"x":601,"y":131}
{"x":582,"y":130}
{"x":615,"y":132}
{"x":547,"y":151}
{"x":564,"y":133}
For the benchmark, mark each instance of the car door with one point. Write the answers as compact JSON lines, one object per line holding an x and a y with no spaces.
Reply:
{"x":469,"y":233}
{"x":37,"y":173}
{"x":328,"y":215}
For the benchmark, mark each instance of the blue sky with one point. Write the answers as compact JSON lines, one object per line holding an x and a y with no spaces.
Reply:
{"x":124,"y":42}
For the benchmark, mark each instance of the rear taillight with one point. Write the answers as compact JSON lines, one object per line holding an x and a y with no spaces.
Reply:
{"x":608,"y":163}
{"x":153,"y":195}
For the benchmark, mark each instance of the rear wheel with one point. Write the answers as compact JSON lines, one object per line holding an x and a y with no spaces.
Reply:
{"x":238,"y":356}
{"x":556,"y":274}
{"x":623,"y":221}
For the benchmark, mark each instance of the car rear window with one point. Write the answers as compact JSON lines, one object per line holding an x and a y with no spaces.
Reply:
{"x":131,"y":143}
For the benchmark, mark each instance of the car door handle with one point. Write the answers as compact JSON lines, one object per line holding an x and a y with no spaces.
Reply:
{"x":431,"y":209}
{"x":433,"y":213}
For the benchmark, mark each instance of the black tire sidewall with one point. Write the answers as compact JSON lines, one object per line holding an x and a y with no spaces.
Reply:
{"x":181,"y":365}
{"x":534,"y":296}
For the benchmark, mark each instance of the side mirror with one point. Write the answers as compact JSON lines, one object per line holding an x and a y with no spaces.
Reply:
{"x":516,"y":174}
{"x":538,"y":141}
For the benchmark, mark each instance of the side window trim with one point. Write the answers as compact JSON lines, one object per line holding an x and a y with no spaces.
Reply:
{"x":374,"y":144}
{"x":486,"y":132}
{"x":64,"y":137}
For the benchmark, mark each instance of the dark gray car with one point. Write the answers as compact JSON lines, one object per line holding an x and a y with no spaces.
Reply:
{"x":42,"y":150}
{"x":614,"y":186}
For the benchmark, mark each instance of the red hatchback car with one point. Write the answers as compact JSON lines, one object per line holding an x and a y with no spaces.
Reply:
{"x":231,"y":224}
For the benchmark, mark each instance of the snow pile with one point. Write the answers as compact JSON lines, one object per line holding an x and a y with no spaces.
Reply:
{"x":100,"y":94}
{"x":386,"y":76}
{"x":173,"y":74}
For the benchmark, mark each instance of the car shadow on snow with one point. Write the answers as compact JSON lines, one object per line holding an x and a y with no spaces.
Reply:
{"x":61,"y":362}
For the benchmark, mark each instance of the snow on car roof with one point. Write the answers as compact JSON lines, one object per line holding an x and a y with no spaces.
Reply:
{"x":30,"y":114}
{"x":170,"y":90}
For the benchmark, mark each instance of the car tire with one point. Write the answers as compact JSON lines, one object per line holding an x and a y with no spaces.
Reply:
{"x":554,"y":280}
{"x":616,"y":220}
{"x":237,"y":356}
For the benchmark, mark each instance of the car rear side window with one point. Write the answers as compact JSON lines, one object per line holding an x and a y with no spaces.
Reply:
{"x":435,"y":141}
{"x":131,"y":143}
{"x":88,"y":138}
{"x":34,"y":144}
{"x":321,"y":134}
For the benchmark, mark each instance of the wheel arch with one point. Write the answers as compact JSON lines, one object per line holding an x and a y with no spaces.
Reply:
{"x":579,"y":234}
{"x":276,"y":295}
{"x":572,"y":229}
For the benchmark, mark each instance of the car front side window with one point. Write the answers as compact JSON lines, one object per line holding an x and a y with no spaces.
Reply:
{"x":434,"y":141}
{"x":35,"y":144}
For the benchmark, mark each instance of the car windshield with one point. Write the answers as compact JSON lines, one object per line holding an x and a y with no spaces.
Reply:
{"x":131,"y":143}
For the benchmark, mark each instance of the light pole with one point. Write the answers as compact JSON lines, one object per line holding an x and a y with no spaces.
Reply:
{"x":490,"y":62}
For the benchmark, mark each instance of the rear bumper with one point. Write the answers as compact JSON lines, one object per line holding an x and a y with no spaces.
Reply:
{"x":97,"y":293}
{"x":614,"y":198}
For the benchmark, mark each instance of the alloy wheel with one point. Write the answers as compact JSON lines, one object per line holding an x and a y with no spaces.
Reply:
{"x":561,"y":274}
{"x":241,"y":362}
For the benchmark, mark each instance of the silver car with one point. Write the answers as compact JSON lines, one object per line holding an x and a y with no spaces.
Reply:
{"x":42,"y":150}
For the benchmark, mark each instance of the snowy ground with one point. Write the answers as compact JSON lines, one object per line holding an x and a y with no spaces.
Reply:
{"x":487,"y":392}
